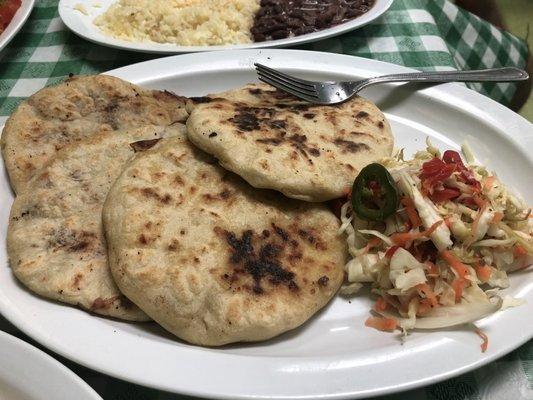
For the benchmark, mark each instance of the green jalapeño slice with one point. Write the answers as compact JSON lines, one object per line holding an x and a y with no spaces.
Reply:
{"x":374,"y":193}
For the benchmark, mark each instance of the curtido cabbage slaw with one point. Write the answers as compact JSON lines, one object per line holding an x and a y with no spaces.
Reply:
{"x":441,"y":257}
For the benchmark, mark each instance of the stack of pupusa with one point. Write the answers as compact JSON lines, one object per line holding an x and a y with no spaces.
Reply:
{"x":63,"y":148}
{"x":205,"y":254}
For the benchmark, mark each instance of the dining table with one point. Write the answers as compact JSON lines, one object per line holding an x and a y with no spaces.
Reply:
{"x":421,"y":34}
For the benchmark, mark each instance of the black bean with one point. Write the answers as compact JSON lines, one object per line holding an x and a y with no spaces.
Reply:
{"x":277,"y":19}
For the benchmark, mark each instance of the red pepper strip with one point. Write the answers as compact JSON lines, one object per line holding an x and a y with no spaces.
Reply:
{"x":453,"y":157}
{"x":468,"y":201}
{"x":441,"y":195}
{"x":390,"y":252}
{"x":435,"y":171}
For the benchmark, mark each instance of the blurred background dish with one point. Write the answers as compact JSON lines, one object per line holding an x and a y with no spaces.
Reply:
{"x":79,"y":16}
{"x":27,"y":373}
{"x":11,"y":23}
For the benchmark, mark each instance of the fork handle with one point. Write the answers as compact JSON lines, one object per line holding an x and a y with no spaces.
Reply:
{"x":483,"y":75}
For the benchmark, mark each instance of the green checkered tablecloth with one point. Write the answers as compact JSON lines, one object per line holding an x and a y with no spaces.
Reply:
{"x":422,"y":34}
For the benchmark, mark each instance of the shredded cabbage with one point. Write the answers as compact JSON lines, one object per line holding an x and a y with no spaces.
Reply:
{"x":485,"y":230}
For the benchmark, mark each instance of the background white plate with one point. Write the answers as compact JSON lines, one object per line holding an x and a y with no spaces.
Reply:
{"x":334,"y":355}
{"x":30,"y":374}
{"x":16,"y":23}
{"x":82,"y":25}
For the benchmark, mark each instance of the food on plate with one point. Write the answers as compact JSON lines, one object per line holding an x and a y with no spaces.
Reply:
{"x":278,"y":19}
{"x":275,"y":141}
{"x":436,"y":237}
{"x":211,"y":259}
{"x":124,"y":211}
{"x":222,"y":22}
{"x":76,"y":109}
{"x":55,"y":237}
{"x":8,"y":8}
{"x":182,"y":22}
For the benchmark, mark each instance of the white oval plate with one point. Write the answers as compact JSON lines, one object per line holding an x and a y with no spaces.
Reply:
{"x":30,"y":374}
{"x":333,"y":356}
{"x":16,"y":23}
{"x":83,"y":26}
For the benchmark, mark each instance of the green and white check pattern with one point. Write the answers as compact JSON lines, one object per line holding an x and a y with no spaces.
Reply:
{"x":422,"y":34}
{"x":435,"y":35}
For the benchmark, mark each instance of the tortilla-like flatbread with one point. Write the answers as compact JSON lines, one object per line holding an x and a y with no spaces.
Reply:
{"x":55,"y":237}
{"x":74,"y":110}
{"x":275,"y":141}
{"x":211,"y":259}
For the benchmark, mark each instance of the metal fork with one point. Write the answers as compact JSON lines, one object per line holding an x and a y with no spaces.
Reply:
{"x":337,"y":92}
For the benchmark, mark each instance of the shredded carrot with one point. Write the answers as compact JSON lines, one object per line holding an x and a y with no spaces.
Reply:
{"x":498,"y":216}
{"x":424,"y":306}
{"x":460,"y":268}
{"x":473,"y":231}
{"x":448,"y":221}
{"x":485,"y":339}
{"x":374,"y":242}
{"x":411,"y":212}
{"x":401,"y":239}
{"x":519,"y":251}
{"x":390,"y":252}
{"x":458,"y":285}
{"x":483,"y":272}
{"x":382,"y":323}
{"x":481,"y":203}
{"x":381,"y":304}
{"x":426,"y":290}
{"x":488,"y":182}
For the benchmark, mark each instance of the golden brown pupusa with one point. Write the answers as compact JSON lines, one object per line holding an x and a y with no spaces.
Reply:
{"x":275,"y":141}
{"x":76,"y":109}
{"x":211,"y":259}
{"x":55,"y":237}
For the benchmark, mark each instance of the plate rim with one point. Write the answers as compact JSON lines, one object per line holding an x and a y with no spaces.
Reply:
{"x":456,"y":91}
{"x":16,"y":344}
{"x":18,"y":21}
{"x":70,"y":19}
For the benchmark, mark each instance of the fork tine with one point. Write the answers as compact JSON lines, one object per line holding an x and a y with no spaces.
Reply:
{"x":277,"y":77}
{"x":270,"y":71}
{"x":310,"y":92}
{"x":288,"y":89}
